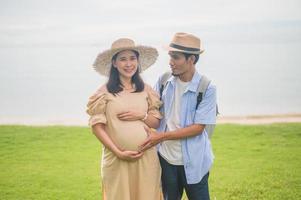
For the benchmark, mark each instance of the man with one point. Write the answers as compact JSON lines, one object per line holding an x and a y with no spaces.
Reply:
{"x":184,"y":147}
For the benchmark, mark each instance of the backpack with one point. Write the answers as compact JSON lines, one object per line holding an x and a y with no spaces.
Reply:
{"x":202,"y":88}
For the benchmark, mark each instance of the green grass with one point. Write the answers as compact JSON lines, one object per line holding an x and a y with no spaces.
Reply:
{"x":48,"y":163}
{"x":251,"y":162}
{"x":257,"y":162}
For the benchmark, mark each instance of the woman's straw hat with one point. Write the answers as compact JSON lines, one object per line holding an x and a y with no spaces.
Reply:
{"x":147,"y":55}
{"x":185,"y":43}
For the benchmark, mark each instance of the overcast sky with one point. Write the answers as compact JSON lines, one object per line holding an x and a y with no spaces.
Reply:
{"x":98,"y":22}
{"x":38,"y":77}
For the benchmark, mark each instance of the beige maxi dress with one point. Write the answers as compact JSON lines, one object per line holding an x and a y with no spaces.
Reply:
{"x":127,"y":180}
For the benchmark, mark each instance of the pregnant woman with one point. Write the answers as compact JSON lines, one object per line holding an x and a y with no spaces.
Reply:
{"x":119,"y":112}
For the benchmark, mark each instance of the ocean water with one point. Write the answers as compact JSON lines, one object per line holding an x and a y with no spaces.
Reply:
{"x":52,"y":84}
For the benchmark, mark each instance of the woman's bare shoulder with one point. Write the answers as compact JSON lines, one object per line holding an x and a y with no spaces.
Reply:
{"x":147,"y":87}
{"x":102,"y":89}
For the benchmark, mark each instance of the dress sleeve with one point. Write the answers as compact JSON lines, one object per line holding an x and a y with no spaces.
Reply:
{"x":96,"y":108}
{"x":154,"y":104}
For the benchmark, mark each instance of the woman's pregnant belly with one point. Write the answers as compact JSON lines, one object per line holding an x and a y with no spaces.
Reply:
{"x":128,"y":135}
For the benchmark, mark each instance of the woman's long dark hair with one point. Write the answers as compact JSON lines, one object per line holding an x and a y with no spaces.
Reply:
{"x":114,"y":84}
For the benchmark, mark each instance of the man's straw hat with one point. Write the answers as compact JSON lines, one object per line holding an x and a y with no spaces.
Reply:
{"x":185,"y":43}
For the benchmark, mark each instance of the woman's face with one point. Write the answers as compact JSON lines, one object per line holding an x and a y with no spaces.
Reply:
{"x":126,"y":63}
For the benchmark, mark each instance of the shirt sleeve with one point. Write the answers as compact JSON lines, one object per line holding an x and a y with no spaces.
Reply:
{"x":157,"y":86}
{"x":96,"y":108}
{"x":206,"y":111}
{"x":154,"y":103}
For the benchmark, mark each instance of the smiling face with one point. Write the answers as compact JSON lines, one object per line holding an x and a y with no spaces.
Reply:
{"x":126,"y":63}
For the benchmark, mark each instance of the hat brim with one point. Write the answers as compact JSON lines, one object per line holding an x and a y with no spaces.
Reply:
{"x":168,"y":48}
{"x":147,"y":57}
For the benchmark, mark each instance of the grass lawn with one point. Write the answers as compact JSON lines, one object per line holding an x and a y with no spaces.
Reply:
{"x":56,"y":162}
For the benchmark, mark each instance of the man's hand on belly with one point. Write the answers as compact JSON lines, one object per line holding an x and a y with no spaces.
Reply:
{"x":152,"y":139}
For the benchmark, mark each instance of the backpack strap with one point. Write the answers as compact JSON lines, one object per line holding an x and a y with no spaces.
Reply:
{"x":202,"y":89}
{"x":163,"y":82}
{"x":201,"y":93}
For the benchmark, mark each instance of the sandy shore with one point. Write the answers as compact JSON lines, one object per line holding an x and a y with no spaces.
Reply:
{"x":260,"y":119}
{"x":255,"y":119}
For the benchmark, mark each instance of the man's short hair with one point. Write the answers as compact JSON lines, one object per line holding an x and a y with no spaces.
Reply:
{"x":187,"y":55}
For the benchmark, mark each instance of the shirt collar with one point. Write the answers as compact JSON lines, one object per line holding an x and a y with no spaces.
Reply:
{"x":193,"y":84}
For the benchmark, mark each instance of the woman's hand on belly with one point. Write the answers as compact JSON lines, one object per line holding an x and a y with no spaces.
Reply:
{"x":131,"y":115}
{"x":129,"y":155}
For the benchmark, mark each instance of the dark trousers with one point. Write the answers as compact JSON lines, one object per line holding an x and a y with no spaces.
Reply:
{"x":174,"y":182}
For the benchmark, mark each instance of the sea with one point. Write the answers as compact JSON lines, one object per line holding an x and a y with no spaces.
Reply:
{"x":51,"y":84}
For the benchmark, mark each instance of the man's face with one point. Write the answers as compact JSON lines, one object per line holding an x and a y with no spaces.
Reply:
{"x":178,"y":63}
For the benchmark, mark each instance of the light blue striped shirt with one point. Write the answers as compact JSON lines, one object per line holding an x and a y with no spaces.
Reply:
{"x":196,"y":150}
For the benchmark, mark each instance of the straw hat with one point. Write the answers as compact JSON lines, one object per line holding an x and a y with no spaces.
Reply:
{"x":147,"y":55}
{"x":186,"y":43}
